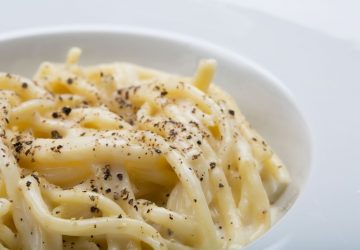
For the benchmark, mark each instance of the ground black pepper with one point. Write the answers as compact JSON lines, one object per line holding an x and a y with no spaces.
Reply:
{"x":66,"y":110}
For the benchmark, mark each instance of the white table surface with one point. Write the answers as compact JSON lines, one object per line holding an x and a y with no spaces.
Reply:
{"x":312,"y":46}
{"x":337,"y":18}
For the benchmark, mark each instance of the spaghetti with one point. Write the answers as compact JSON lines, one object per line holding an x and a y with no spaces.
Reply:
{"x":117,"y":156}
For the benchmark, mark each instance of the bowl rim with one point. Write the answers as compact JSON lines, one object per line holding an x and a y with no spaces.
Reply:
{"x":156,"y":33}
{"x":197,"y":43}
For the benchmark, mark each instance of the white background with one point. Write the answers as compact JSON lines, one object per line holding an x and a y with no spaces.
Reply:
{"x":339,"y":18}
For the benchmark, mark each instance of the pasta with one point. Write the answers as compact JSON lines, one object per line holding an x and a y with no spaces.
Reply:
{"x":117,"y":156}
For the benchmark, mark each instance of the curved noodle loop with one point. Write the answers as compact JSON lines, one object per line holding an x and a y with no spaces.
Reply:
{"x":117,"y":156}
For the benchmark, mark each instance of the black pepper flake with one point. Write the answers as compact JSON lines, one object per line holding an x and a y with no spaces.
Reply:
{"x":158,"y":151}
{"x":66,"y":110}
{"x":119,"y":216}
{"x":28,"y":183}
{"x":36,"y":178}
{"x":124,"y":194}
{"x":163,"y":93}
{"x":173,"y":133}
{"x":221,"y":185}
{"x":198,"y":142}
{"x":69,"y":81}
{"x":94,"y":209}
{"x":195,"y":157}
{"x":212,"y":165}
{"x":194,"y":123}
{"x":231,"y":112}
{"x":108,"y":190}
{"x":24,"y":85}
{"x":119,"y":176}
{"x":171,"y":217}
{"x":18,"y":146}
{"x":195,"y":200}
{"x":254,"y":139}
{"x":55,"y":134}
{"x":55,"y":115}
{"x":106,"y":172}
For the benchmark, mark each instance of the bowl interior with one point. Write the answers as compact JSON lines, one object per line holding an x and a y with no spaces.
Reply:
{"x":264,"y":101}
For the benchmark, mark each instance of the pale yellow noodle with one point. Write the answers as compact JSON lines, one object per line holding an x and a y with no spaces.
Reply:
{"x":119,"y":156}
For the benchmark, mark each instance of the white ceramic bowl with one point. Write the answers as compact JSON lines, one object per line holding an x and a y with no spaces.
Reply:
{"x":263,"y":99}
